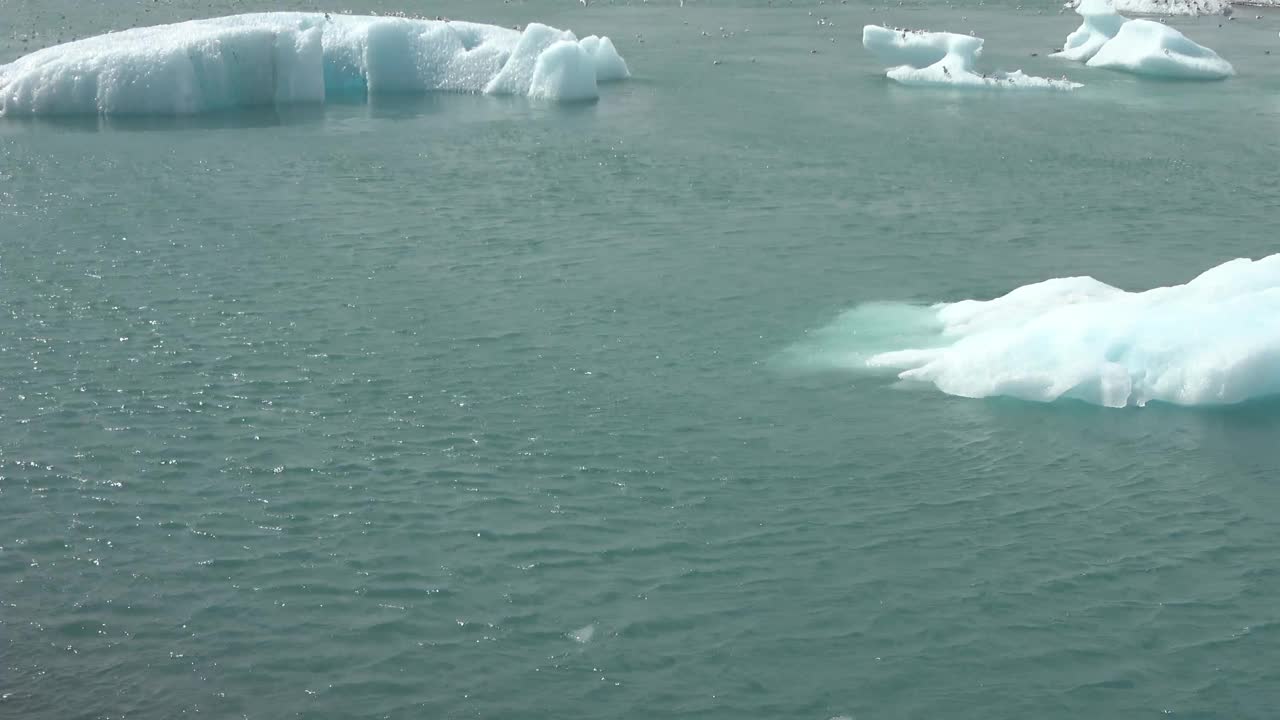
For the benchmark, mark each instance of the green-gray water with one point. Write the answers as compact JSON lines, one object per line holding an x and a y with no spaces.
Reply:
{"x":464,"y":406}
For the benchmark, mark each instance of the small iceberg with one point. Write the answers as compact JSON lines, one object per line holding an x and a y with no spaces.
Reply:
{"x":944,"y":59}
{"x":1107,"y":39}
{"x":287,"y":57}
{"x":1146,"y":47}
{"x":1170,"y":7}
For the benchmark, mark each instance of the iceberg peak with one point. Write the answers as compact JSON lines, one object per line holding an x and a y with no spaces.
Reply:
{"x":1101,"y":23}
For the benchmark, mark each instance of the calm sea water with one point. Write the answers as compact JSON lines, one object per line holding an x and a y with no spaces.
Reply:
{"x":472,"y":407}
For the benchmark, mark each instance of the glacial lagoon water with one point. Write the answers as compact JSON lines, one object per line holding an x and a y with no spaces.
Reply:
{"x":468,"y":406}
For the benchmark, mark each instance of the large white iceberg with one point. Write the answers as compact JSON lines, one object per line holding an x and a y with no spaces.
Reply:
{"x":1146,"y":47}
{"x":266,"y":58}
{"x":940,"y":58}
{"x":1101,"y":23}
{"x":1214,"y":340}
{"x":1107,"y":39}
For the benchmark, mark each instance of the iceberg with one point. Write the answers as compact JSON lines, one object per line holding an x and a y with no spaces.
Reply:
{"x":1107,"y":39}
{"x":1101,"y":23}
{"x":944,"y":59}
{"x":285,"y":57}
{"x":1146,"y":47}
{"x":1213,"y":341}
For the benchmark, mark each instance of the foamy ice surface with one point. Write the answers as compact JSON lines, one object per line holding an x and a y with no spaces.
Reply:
{"x":918,"y":57}
{"x":280,"y":58}
{"x":1213,"y":341}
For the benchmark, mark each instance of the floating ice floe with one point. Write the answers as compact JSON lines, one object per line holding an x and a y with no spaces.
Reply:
{"x":1214,"y":340}
{"x":279,"y":58}
{"x":1107,"y":39}
{"x":941,"y":58}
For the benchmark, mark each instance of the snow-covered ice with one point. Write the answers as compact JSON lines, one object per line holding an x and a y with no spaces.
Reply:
{"x":1146,"y":47}
{"x":942,"y":58}
{"x":1214,"y":340}
{"x":1169,"y":7}
{"x":266,"y":58}
{"x":1101,"y":23}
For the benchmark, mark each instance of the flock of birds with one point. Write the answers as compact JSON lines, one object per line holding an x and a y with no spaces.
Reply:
{"x":52,"y":28}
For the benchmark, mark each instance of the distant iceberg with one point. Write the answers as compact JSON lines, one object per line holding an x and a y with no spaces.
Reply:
{"x":280,"y":58}
{"x":1212,"y":341}
{"x":945,"y":59}
{"x":1171,"y":7}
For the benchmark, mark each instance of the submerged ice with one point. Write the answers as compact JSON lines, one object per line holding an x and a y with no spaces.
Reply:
{"x":278,"y":58}
{"x":1106,"y":39}
{"x":940,"y":58}
{"x":1214,"y":340}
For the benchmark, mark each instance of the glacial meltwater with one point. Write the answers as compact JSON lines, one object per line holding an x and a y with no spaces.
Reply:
{"x":378,"y":366}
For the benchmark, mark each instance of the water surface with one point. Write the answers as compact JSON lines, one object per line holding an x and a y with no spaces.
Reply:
{"x":477,"y":407}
